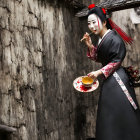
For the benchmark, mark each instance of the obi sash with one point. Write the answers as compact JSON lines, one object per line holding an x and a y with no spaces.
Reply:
{"x":126,"y":92}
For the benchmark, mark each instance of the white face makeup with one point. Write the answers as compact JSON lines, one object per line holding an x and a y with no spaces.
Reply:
{"x":95,"y":24}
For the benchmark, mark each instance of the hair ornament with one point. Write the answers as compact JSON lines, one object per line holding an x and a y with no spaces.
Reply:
{"x":91,"y":6}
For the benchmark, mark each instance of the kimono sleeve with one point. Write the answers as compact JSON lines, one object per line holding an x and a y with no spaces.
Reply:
{"x":92,"y":54}
{"x":116,"y":55}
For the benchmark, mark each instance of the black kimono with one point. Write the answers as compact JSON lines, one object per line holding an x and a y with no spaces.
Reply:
{"x":118,"y":116}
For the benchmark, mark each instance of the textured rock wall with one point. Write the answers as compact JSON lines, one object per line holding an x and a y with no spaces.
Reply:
{"x":40,"y":56}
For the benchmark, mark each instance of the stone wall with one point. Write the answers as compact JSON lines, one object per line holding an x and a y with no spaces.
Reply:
{"x":40,"y":56}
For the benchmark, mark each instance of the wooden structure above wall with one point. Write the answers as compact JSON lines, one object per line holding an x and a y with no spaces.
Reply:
{"x":116,"y":5}
{"x":113,"y":5}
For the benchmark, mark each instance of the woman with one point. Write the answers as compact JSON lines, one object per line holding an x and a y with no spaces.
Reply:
{"x":118,"y":116}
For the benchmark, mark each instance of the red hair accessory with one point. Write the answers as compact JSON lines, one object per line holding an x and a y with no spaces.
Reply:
{"x":104,"y":10}
{"x":91,"y":6}
{"x":124,"y":36}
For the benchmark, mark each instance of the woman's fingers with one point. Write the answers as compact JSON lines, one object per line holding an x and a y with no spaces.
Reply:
{"x":95,"y":74}
{"x":88,"y":74}
{"x":85,"y":37}
{"x":91,"y":75}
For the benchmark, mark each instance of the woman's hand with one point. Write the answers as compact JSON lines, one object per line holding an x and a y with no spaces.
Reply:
{"x":87,"y":40}
{"x":95,"y":74}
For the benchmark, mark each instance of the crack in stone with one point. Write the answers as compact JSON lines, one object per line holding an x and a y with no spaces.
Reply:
{"x":31,"y":27}
{"x":19,"y":1}
{"x":30,"y":12}
{"x":7,"y":9}
{"x":30,"y":110}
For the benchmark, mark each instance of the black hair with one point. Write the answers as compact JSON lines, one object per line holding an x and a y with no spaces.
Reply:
{"x":99,"y":12}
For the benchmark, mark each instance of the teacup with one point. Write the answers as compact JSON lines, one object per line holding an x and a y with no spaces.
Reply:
{"x":87,"y":81}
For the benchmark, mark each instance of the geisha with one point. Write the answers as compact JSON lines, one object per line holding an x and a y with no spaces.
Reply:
{"x":118,"y":116}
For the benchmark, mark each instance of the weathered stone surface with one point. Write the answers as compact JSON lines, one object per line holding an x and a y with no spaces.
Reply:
{"x":23,"y":133}
{"x":40,"y":56}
